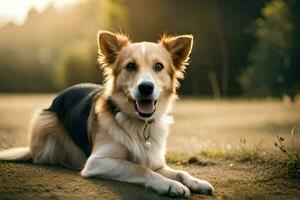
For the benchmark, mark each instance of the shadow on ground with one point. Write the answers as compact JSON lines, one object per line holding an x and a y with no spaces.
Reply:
{"x":28,"y":181}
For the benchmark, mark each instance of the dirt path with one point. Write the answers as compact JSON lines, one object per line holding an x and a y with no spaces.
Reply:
{"x":231,"y":181}
{"x":195,"y":119}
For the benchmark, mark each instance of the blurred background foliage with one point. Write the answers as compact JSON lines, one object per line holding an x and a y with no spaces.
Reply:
{"x":241,"y":47}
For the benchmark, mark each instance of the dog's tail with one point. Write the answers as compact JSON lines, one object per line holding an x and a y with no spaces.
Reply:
{"x":16,"y":154}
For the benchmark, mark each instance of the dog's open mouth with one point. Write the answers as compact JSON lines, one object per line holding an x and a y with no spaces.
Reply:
{"x":145,"y":107}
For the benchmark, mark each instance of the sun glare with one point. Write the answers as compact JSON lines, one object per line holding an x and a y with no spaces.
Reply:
{"x":16,"y":10}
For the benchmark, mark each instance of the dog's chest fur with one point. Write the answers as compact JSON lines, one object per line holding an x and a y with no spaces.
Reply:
{"x":129,"y":132}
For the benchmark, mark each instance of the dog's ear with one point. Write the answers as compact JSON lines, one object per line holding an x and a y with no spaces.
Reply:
{"x":179,"y":47}
{"x":109,"y":45}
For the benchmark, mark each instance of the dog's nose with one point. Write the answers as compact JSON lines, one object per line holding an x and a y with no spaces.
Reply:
{"x":146,"y":88}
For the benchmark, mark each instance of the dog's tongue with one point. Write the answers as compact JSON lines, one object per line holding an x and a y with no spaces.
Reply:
{"x":145,"y":106}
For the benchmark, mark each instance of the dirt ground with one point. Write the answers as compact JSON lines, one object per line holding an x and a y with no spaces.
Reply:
{"x":200,"y":125}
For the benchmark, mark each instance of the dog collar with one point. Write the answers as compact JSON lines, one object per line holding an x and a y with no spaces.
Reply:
{"x":115,"y":109}
{"x":147,"y":133}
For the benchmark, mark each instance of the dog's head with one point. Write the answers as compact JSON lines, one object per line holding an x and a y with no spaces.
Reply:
{"x":142,"y":77}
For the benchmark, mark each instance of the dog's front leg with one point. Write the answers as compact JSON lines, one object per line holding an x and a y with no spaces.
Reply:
{"x":105,"y":163}
{"x":194,"y":184}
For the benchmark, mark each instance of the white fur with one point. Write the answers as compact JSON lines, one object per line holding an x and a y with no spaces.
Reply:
{"x":102,"y":164}
{"x":133,"y":139}
{"x":194,"y":184}
{"x":129,"y":133}
{"x":143,"y":49}
{"x":20,"y":154}
{"x":122,"y":170}
{"x":140,"y":164}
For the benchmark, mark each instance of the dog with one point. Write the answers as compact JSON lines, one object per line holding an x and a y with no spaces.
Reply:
{"x":118,"y":131}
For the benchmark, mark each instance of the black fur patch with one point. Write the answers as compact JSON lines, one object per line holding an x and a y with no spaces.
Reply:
{"x":112,"y":106}
{"x":72,"y":108}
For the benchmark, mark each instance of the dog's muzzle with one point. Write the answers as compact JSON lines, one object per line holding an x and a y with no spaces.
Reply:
{"x":145,"y":107}
{"x":144,"y":102}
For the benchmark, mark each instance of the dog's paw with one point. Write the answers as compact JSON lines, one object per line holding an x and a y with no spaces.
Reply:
{"x":177,"y":189}
{"x":171,"y":188}
{"x":197,"y":185}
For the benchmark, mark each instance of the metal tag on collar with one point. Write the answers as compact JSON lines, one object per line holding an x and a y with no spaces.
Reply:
{"x":147,"y":133}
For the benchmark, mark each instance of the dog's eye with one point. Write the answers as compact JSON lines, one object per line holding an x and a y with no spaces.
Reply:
{"x":131,"y":66}
{"x":158,"y":67}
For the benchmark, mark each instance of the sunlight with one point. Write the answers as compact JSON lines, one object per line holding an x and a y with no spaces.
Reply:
{"x":16,"y":10}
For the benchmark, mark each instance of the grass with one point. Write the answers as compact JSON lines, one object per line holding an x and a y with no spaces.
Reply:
{"x":246,"y":155}
{"x":292,"y":154}
{"x":290,"y":161}
{"x":205,"y":157}
{"x":240,"y":153}
{"x":185,"y":159}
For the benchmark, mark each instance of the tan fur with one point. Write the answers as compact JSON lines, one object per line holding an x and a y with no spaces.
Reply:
{"x":119,"y":151}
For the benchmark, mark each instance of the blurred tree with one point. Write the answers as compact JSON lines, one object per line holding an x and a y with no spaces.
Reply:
{"x":76,"y":64}
{"x":292,"y":74}
{"x":270,"y":59}
{"x":236,"y":18}
{"x":221,"y":39}
{"x":32,"y":53}
{"x":114,"y":14}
